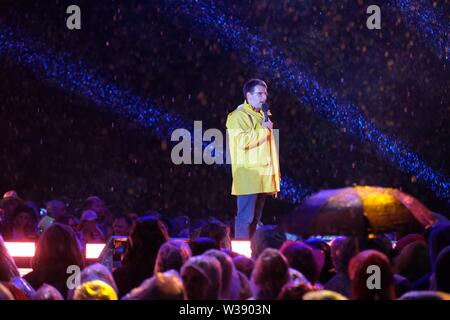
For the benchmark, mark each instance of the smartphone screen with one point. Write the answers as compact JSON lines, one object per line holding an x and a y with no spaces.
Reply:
{"x":119,"y":245}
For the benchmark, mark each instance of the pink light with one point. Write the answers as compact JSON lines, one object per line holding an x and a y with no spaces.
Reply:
{"x":24,"y":271}
{"x":93,"y":250}
{"x":242,"y":247}
{"x":21,"y":249}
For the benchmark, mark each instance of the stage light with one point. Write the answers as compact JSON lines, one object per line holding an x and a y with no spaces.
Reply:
{"x":93,"y":250}
{"x":24,"y":271}
{"x":21,"y":249}
{"x":242,"y":247}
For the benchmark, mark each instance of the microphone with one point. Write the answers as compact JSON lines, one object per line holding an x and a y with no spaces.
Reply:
{"x":265,"y":109}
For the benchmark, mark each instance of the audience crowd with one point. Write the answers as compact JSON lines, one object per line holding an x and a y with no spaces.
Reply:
{"x":175,"y":259}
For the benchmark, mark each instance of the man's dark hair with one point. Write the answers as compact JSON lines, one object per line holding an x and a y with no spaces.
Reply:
{"x":24,"y":208}
{"x":202,"y":244}
{"x":215,"y":230}
{"x":251,"y":84}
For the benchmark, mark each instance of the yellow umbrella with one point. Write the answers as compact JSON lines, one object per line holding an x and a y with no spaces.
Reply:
{"x":360,"y":211}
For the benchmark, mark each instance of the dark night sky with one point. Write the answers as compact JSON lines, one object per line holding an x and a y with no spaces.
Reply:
{"x":61,"y":144}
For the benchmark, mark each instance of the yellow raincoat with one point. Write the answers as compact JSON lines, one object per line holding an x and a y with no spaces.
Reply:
{"x":253,"y":153}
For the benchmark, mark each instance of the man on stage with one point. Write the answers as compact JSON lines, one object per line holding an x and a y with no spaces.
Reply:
{"x":254,"y":157}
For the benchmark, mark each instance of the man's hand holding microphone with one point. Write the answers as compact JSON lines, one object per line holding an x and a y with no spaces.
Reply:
{"x":266,"y":121}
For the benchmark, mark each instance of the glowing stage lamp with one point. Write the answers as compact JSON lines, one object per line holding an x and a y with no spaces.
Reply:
{"x":93,"y":250}
{"x":242,"y":247}
{"x":21,"y":249}
{"x":24,"y":271}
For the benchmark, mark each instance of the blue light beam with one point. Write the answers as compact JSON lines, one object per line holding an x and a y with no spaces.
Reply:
{"x":429,"y":23}
{"x":61,"y":70}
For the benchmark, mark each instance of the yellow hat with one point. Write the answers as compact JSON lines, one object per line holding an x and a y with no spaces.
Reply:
{"x":95,"y":290}
{"x":323,"y":295}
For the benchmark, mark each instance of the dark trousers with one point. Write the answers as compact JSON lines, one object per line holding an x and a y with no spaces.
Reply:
{"x":249,"y":213}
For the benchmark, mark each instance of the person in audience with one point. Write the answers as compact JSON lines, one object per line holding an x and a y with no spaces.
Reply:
{"x":95,"y":271}
{"x":57,"y":249}
{"x":403,"y":242}
{"x":295,"y":290}
{"x":56,"y":208}
{"x":245,"y":290}
{"x":104,"y":216}
{"x":94,"y":290}
{"x":47,"y":292}
{"x":9,"y":203}
{"x":23,"y":225}
{"x":441,"y":275}
{"x":270,"y":274}
{"x":202,"y":244}
{"x":146,"y":237}
{"x":172,"y":255}
{"x":181,"y":226}
{"x":323,"y":295}
{"x":69,"y":220}
{"x":153,"y":267}
{"x":161,"y":286}
{"x":412,"y":260}
{"x":425,"y":295}
{"x":133,"y":216}
{"x":267,"y":236}
{"x":89,"y":230}
{"x":230,"y":277}
{"x":383,"y":287}
{"x":122,"y":225}
{"x":244,"y":265}
{"x":322,"y":252}
{"x":195,"y":228}
{"x":219,"y":232}
{"x":343,"y":249}
{"x":438,"y":238}
{"x":301,"y":257}
{"x":202,"y":278}
{"x":98,"y":271}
